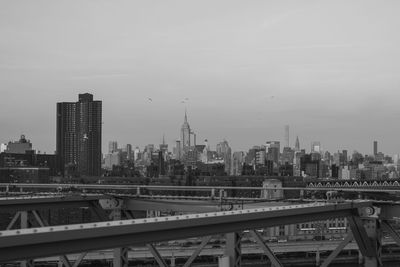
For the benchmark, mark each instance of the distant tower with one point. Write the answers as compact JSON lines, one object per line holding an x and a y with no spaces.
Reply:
{"x":375,"y":148}
{"x":185,"y":134}
{"x":287,"y":136}
{"x":129,"y":155}
{"x":297,"y":145}
{"x":316,"y":147}
{"x":112,"y":147}
{"x":178,"y":150}
{"x":164,"y":146}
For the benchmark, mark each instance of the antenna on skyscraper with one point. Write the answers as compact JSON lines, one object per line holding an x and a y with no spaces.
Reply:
{"x":185,"y":115}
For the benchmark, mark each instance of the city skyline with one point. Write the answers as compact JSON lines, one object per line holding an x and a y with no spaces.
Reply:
{"x":242,"y":71}
{"x":375,"y":145}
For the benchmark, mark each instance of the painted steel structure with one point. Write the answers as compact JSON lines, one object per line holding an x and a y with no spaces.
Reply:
{"x":355,"y":183}
{"x":56,"y":240}
{"x":120,"y":234}
{"x":34,"y":202}
{"x":372,"y":186}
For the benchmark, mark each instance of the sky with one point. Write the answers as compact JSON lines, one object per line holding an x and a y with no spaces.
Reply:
{"x":328,"y":69}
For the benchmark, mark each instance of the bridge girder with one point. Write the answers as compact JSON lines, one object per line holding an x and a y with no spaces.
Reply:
{"x":58,"y":240}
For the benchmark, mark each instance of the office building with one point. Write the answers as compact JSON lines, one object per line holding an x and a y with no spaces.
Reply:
{"x":112,"y":147}
{"x":273,"y":149}
{"x":111,"y":160}
{"x":287,"y":141}
{"x":79,"y":135}
{"x":316,"y":147}
{"x":3,"y":147}
{"x":375,"y":148}
{"x":288,"y":155}
{"x":224,"y":151}
{"x":23,"y":146}
{"x":129,"y":154}
{"x":237,"y":164}
{"x":177,"y":150}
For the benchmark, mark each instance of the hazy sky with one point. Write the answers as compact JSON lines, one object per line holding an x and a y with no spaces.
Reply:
{"x":329,"y":69}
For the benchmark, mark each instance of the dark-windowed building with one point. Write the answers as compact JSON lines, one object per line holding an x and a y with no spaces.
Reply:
{"x":79,"y":136}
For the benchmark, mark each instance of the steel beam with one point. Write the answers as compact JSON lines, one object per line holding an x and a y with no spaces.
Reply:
{"x":361,"y":237}
{"x":14,"y":220}
{"x":161,"y":262}
{"x":128,"y":214}
{"x":121,"y":258}
{"x":196,"y":253}
{"x":134,"y":188}
{"x":336,"y":252}
{"x":24,"y":224}
{"x":389,"y":211}
{"x":393,"y":233}
{"x":79,"y":259}
{"x":270,"y":254}
{"x":99,"y":211}
{"x":233,"y":249}
{"x":65,"y":262}
{"x":39,"y":219}
{"x":373,"y":230}
{"x":27,"y":263}
{"x":58,"y":240}
{"x":171,"y":205}
{"x":40,"y":202}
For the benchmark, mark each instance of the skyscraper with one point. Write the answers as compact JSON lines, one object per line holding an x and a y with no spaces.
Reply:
{"x":164,"y":146}
{"x":297,"y":145}
{"x":273,"y":149}
{"x":79,"y":135}
{"x":287,"y":141}
{"x":129,"y":155}
{"x":112,"y":147}
{"x":316,"y":147}
{"x":375,"y":148}
{"x":185,"y":134}
{"x":238,"y":160}
{"x":225,"y":152}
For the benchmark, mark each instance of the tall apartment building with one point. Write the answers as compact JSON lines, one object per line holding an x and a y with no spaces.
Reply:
{"x":79,"y":135}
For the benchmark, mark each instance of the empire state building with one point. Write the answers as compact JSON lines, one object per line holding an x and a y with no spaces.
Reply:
{"x":185,"y":135}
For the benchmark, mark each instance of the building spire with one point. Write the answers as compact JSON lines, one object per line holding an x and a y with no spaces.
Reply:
{"x":163,"y":139}
{"x":297,"y":145}
{"x":185,"y":116}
